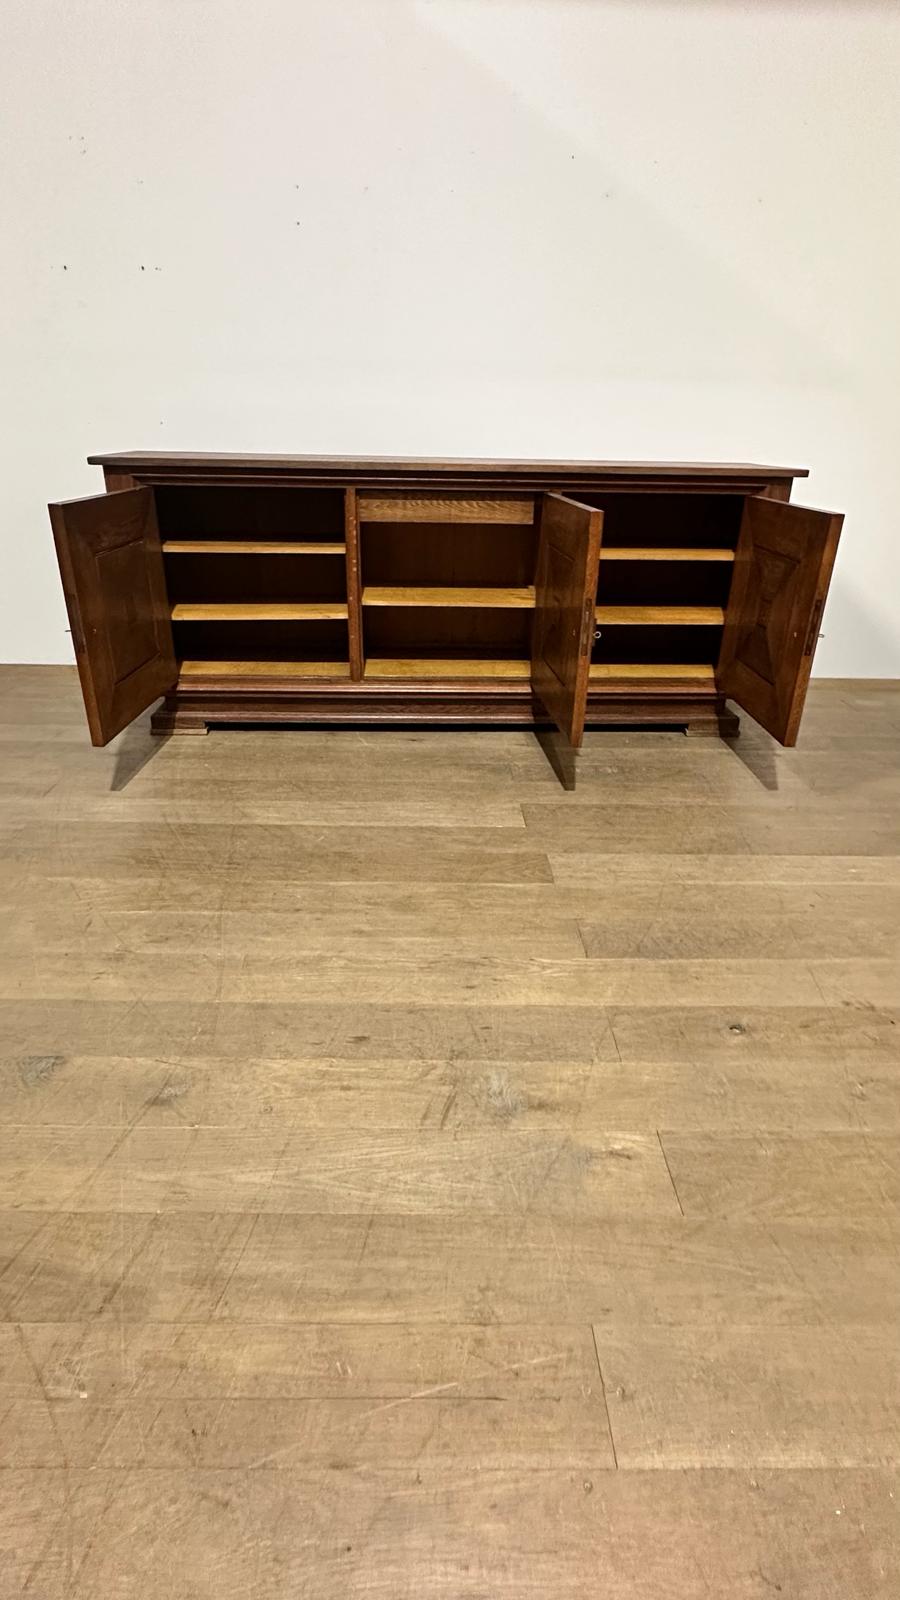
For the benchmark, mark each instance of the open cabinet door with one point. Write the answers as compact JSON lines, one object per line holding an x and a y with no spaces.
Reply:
{"x":568,"y":559}
{"x":114,"y":583}
{"x":781,"y":574}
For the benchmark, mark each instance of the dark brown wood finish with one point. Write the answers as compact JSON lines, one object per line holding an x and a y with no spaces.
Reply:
{"x":343,"y":467}
{"x":200,"y":703}
{"x":114,"y":480}
{"x":115,"y":589}
{"x":413,"y":472}
{"x":782,"y":570}
{"x":437,"y":601}
{"x":569,"y":536}
{"x":354,"y":586}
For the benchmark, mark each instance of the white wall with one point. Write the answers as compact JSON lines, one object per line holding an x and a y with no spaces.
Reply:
{"x":569,"y":227}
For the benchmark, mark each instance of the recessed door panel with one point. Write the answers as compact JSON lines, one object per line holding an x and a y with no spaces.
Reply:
{"x":111,"y":564}
{"x":569,"y":536}
{"x":782,"y":571}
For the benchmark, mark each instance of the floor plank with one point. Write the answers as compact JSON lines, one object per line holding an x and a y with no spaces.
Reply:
{"x":97,"y":1394}
{"x":780,"y":1175}
{"x":725,"y":1397}
{"x":735,"y":1092}
{"x":485,"y":1268}
{"x":351,"y":854}
{"x":348,"y":1031}
{"x":319,"y":1172}
{"x":436,"y":1532}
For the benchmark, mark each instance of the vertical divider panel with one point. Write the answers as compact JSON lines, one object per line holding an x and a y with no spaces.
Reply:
{"x":354,"y":586}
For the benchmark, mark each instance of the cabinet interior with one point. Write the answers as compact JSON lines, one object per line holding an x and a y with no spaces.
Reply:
{"x":239,"y":513}
{"x":257,"y":580}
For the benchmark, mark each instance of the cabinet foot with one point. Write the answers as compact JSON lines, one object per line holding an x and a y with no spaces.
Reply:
{"x":163,"y":727}
{"x":715,"y":725}
{"x":168,"y":719}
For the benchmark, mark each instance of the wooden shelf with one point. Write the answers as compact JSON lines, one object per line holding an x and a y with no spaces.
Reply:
{"x":430,"y":668}
{"x":653,"y":616}
{"x":265,"y":669}
{"x":250,"y":547}
{"x":651,"y":669}
{"x":267,"y":611}
{"x":652,"y":552}
{"x":522,"y":599}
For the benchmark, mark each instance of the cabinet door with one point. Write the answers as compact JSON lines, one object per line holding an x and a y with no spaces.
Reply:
{"x":782,"y":568}
{"x":114,"y":583}
{"x":568,"y":558}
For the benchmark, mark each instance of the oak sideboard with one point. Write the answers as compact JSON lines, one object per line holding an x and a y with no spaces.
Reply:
{"x":322,"y":589}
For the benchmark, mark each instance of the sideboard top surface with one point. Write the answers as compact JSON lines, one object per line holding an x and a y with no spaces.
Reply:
{"x":341,"y":469}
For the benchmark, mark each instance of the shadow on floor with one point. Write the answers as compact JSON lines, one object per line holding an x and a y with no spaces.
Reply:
{"x":137,"y":746}
{"x":757,"y":752}
{"x":559,"y":754}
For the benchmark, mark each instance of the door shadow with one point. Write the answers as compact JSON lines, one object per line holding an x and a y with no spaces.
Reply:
{"x":757,"y":751}
{"x":137,"y":745}
{"x":559,"y":753}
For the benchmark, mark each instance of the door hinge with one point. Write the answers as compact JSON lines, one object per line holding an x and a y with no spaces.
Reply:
{"x":73,"y":628}
{"x":813,"y":633}
{"x":587,"y":624}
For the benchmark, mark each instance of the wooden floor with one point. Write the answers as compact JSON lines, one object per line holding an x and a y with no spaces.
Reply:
{"x":419,"y":1181}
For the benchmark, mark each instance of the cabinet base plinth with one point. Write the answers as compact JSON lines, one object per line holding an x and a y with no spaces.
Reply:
{"x":170,"y":718}
{"x":194,"y":711}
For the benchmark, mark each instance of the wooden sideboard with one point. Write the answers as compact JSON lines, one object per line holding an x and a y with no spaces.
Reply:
{"x":321,"y":589}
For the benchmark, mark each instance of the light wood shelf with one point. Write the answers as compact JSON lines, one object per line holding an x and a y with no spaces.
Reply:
{"x":251,"y":547}
{"x":652,"y":552}
{"x":651,"y":669}
{"x":522,"y":599}
{"x":413,"y":667}
{"x":658,"y":616}
{"x":266,"y":611}
{"x":265,"y":669}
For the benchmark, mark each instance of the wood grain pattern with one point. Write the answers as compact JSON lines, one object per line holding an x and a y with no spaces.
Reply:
{"x":783,"y":566}
{"x":656,"y":552}
{"x":115,"y":590}
{"x":764,"y":1175}
{"x":569,"y":535}
{"x":424,"y":667}
{"x":354,"y":586}
{"x":264,"y":669}
{"x":267,"y":611}
{"x":660,"y":616}
{"x":419,"y":1181}
{"x":446,"y":1530}
{"x":250,"y":547}
{"x":727,"y":1398}
{"x":652,"y":669}
{"x":450,"y":558}
{"x":376,"y":468}
{"x":740,"y":1093}
{"x":484,"y":1268}
{"x":511,"y":510}
{"x":164,"y":1169}
{"x":399,"y":595}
